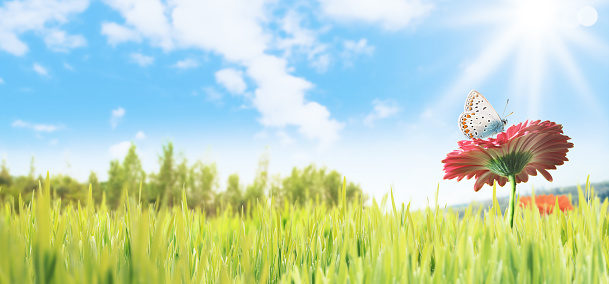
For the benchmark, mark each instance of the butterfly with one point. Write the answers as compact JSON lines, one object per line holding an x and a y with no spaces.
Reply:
{"x":479,"y":119}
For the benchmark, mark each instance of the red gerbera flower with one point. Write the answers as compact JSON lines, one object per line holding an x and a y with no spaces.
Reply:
{"x":523,"y":150}
{"x":546,"y":203}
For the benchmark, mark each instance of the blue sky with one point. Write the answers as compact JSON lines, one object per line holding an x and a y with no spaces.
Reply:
{"x":370,"y":88}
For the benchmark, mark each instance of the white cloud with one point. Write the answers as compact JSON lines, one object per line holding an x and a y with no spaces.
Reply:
{"x":40,"y":70}
{"x":54,"y":142}
{"x":42,"y":17}
{"x":144,"y":19}
{"x":186,"y":64}
{"x":140,"y":135}
{"x":212,"y":95}
{"x":68,"y":66}
{"x":280,"y":98}
{"x":59,"y":41}
{"x":300,"y":39}
{"x":389,"y":14}
{"x":232,"y":80}
{"x":231,"y":28}
{"x":141,"y":60}
{"x":118,"y":34}
{"x":298,"y":35}
{"x":36,"y":127}
{"x":1,"y":81}
{"x":119,"y":150}
{"x":358,"y":47}
{"x":235,"y":30}
{"x":353,"y":49}
{"x":117,"y":116}
{"x":382,"y":109}
{"x":284,"y":138}
{"x":320,"y":63}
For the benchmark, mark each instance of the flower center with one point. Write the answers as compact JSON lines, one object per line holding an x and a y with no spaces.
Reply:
{"x":509,"y":164}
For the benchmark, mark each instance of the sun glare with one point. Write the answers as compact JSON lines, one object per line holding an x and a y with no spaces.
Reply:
{"x":536,"y":33}
{"x":587,"y":16}
{"x":535,"y":17}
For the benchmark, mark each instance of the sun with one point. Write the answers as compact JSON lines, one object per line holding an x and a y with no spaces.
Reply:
{"x":535,"y":17}
{"x":530,"y":34}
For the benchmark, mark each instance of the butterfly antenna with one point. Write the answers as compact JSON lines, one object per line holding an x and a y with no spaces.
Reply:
{"x":506,"y":104}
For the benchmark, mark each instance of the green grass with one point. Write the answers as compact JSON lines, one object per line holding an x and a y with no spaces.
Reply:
{"x":44,"y":243}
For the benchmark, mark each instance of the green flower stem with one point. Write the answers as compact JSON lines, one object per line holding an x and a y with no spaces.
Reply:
{"x":512,"y":207}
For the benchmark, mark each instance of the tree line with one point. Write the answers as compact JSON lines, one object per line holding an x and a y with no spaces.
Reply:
{"x":199,"y":181}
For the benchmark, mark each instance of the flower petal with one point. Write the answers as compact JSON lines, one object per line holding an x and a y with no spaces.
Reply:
{"x":542,"y":144}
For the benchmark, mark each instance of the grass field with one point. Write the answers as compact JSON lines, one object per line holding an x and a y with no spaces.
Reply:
{"x":351,"y":243}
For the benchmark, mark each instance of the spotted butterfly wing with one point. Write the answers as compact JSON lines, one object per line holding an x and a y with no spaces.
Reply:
{"x":479,"y":119}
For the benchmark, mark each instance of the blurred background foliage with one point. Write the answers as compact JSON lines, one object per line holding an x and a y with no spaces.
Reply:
{"x":199,"y":180}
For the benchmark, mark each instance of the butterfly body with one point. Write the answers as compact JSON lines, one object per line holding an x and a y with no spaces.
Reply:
{"x":479,"y":119}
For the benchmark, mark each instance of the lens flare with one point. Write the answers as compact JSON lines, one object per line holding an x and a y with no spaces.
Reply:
{"x":587,"y":16}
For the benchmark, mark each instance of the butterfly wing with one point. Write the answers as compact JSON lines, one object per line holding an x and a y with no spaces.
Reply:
{"x":465,"y":125}
{"x":479,"y":120}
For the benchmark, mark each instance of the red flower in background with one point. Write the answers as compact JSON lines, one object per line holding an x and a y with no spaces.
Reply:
{"x":522,"y":150}
{"x":546,"y":203}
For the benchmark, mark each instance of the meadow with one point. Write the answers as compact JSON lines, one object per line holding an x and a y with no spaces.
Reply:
{"x":44,"y":242}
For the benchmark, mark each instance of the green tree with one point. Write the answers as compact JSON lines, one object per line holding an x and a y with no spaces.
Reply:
{"x":332,"y":184}
{"x":5,"y":181}
{"x":166,"y":178}
{"x":132,"y":172}
{"x":276,"y":190}
{"x":114,"y":185}
{"x":256,"y":190}
{"x":181,"y":176}
{"x":68,"y":189}
{"x":5,"y":176}
{"x":233,"y":192}
{"x":95,"y":186}
{"x":202,"y":183}
{"x":93,"y":181}
{"x":311,"y":183}
{"x":302,"y":185}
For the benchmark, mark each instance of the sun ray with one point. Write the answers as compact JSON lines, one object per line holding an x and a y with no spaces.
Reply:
{"x":575,"y":74}
{"x":536,"y":75}
{"x":588,"y":41}
{"x":519,"y":79}
{"x":539,"y":32}
{"x":483,"y":66}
